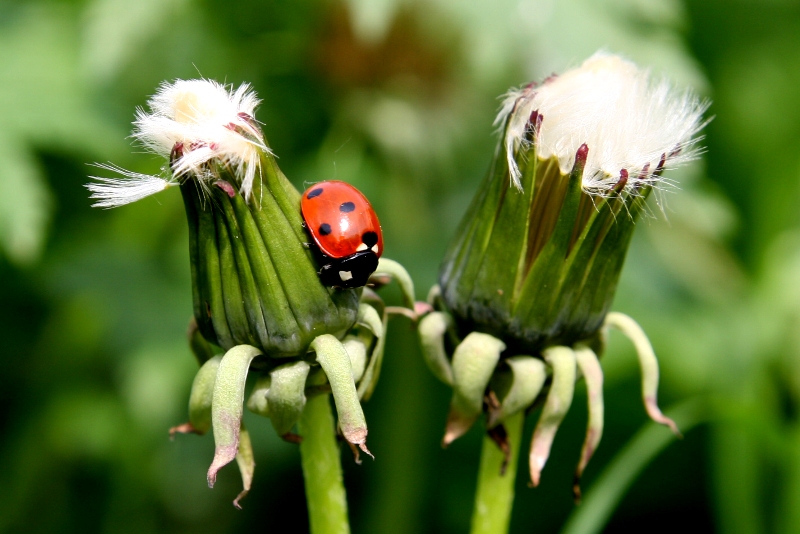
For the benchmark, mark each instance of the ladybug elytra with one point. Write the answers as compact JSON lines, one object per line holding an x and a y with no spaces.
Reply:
{"x":346,"y":229}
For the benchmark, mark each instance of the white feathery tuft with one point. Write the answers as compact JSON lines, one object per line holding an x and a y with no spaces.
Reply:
{"x":115,"y":192}
{"x":631,"y":123}
{"x":198,"y":125}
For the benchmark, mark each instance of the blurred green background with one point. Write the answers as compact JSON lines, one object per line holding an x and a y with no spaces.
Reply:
{"x":396,"y":97}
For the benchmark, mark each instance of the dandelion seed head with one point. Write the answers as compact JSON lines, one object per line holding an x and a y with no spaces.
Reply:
{"x":200,"y":126}
{"x":206,"y":121}
{"x":628,"y":120}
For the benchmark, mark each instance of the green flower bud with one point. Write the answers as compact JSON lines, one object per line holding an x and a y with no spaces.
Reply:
{"x":256,"y":288}
{"x":537,"y":257}
{"x":534,"y":264}
{"x":254,"y":281}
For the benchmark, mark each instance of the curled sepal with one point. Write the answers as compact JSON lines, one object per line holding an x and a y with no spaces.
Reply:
{"x":398,"y":272}
{"x":517,"y":389}
{"x":226,"y":405}
{"x":357,"y":351}
{"x":593,"y":376}
{"x":371,"y":374}
{"x":562,"y":361}
{"x":369,"y":318}
{"x":474,"y":361}
{"x":432,"y":329}
{"x":647,"y":361}
{"x":200,"y":399}
{"x":246,"y":463}
{"x":286,"y":397}
{"x":334,"y":360}
{"x":257,"y":403}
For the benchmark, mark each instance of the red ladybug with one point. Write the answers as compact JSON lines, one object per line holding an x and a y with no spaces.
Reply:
{"x":345,"y":228}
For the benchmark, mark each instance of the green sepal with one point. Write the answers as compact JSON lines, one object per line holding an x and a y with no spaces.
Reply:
{"x":398,"y":273}
{"x":334,"y":360}
{"x":648,"y":363}
{"x":226,"y":405}
{"x":200,"y":398}
{"x":592,"y":373}
{"x":516,"y":388}
{"x":241,"y":302}
{"x":474,"y":361}
{"x":533,"y":309}
{"x":464,"y":258}
{"x":286,"y":396}
{"x":432,"y":329}
{"x":247,"y":464}
{"x":357,"y":351}
{"x":368,"y":317}
{"x":373,"y":371}
{"x":562,"y":387}
{"x":257,"y":402}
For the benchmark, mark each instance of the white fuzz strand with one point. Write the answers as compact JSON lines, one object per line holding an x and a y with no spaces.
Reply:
{"x":627,"y":120}
{"x":133,"y":186}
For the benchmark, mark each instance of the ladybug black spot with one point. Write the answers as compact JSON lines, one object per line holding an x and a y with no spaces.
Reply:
{"x":347,"y":207}
{"x":324,"y":228}
{"x":314,"y":193}
{"x":370,"y":238}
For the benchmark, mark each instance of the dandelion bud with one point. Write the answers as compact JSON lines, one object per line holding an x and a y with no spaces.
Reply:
{"x":535,"y":262}
{"x":537,"y":258}
{"x":256,"y":288}
{"x":253,"y":280}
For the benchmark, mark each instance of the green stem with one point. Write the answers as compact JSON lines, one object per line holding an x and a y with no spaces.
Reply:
{"x":495,"y":494}
{"x":322,"y":471}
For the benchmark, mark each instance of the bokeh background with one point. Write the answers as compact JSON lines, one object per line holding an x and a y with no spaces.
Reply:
{"x":396,"y":97}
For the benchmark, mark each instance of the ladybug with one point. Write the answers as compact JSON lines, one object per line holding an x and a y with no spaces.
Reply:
{"x":346,"y":230}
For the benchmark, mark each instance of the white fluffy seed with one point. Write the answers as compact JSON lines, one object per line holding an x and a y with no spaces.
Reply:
{"x":628,"y":121}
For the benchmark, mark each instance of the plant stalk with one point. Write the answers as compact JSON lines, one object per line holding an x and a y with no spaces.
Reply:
{"x":494,"y":496}
{"x":322,"y":470}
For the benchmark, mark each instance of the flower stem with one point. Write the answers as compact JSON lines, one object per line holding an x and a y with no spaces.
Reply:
{"x":322,"y":471}
{"x":495,"y":494}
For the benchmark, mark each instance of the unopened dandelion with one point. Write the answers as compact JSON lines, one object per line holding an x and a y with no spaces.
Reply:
{"x":260,"y":305}
{"x":522,"y":306}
